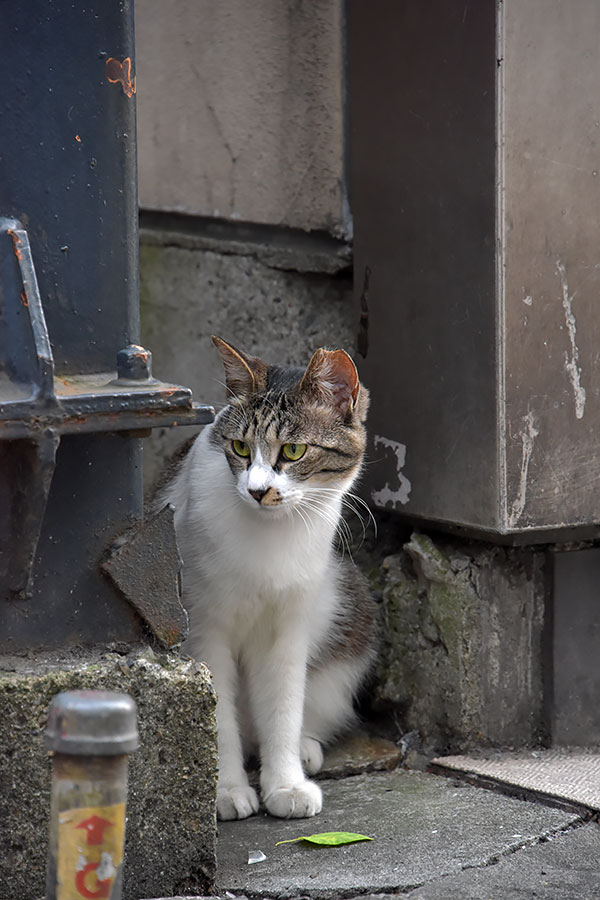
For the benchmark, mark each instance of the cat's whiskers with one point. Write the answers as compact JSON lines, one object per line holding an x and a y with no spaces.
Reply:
{"x":338,"y":525}
{"x":230,"y":393}
{"x":323,"y":506}
{"x":292,"y":509}
{"x":348,"y":499}
{"x":349,"y":495}
{"x":343,"y":528}
{"x":239,"y":419}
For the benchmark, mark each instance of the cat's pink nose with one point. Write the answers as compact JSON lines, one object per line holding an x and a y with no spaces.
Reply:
{"x":257,"y":494}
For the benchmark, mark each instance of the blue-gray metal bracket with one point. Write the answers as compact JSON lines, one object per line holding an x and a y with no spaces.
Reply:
{"x":37,"y":406}
{"x":34,"y":399}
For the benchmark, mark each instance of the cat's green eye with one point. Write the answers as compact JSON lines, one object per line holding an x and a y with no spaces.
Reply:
{"x":241,"y":448}
{"x":293,"y":451}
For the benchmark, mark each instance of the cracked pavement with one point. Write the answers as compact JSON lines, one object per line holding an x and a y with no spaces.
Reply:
{"x":433,"y":837}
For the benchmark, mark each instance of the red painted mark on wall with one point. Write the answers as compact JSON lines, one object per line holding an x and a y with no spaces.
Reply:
{"x":120,"y":72}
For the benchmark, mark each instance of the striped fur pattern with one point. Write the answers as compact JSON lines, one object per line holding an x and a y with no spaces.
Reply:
{"x":285,"y":624}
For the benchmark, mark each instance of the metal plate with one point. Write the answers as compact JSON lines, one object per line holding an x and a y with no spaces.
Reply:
{"x":475,"y":190}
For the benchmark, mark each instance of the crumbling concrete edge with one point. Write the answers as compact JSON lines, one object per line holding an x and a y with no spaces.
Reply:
{"x":289,"y":249}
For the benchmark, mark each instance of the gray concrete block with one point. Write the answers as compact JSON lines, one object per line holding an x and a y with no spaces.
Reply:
{"x":423,"y":828}
{"x":240,"y":111}
{"x":463,"y":633}
{"x":170,"y":841}
{"x":187,"y":295}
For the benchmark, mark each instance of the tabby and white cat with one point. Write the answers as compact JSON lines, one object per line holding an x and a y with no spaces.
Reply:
{"x":285,"y":625}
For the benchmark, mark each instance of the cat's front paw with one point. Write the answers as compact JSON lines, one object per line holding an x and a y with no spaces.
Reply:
{"x":311,"y":755}
{"x":237,"y":802}
{"x":297,"y":802}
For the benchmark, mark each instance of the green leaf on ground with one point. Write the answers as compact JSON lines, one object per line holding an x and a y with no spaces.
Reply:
{"x":329,"y":838}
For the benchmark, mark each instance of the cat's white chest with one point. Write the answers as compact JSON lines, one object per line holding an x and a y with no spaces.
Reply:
{"x":247,"y":573}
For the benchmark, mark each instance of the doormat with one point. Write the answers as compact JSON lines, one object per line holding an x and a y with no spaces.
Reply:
{"x":567,"y":775}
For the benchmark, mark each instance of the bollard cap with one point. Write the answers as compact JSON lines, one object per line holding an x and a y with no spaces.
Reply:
{"x":92,"y":723}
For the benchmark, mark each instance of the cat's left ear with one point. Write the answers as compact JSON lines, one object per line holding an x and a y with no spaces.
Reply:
{"x":331,"y":377}
{"x":244,"y":374}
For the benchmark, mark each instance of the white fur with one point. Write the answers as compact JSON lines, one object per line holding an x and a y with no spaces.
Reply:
{"x":261,"y":588}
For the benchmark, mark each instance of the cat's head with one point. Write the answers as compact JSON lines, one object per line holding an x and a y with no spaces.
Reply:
{"x":292,"y":437}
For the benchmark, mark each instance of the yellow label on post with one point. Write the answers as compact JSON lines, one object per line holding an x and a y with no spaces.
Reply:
{"x":90,"y":851}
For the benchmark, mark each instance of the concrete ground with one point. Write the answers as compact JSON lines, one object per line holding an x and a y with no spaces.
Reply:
{"x":433,"y":837}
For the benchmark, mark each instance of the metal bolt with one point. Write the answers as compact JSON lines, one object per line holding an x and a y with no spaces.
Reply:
{"x":134,"y":363}
{"x":91,"y":734}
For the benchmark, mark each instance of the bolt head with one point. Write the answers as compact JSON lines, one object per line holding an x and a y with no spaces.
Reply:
{"x":134,"y":363}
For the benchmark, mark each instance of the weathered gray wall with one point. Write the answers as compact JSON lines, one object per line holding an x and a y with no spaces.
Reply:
{"x":187,"y":295}
{"x":240,"y":110}
{"x":462,"y":655}
{"x":241,"y":119}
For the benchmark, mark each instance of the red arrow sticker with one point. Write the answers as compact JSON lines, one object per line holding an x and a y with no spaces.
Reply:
{"x":94,"y":827}
{"x":90,"y":851}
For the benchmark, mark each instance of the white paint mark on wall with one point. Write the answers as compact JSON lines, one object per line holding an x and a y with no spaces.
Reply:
{"x":399,"y":493}
{"x":528,"y":435}
{"x":528,"y":301}
{"x":571,"y":364}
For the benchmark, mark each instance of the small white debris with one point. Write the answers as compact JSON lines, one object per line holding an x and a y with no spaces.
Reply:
{"x":255,"y":856}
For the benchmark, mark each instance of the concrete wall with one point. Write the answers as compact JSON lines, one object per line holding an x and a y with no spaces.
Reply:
{"x":240,"y":110}
{"x":462,"y":654}
{"x":241,"y":129}
{"x":189,"y":293}
{"x":240,"y":119}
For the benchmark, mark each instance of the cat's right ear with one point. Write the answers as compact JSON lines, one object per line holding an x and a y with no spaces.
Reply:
{"x":243,"y":374}
{"x":331,"y":378}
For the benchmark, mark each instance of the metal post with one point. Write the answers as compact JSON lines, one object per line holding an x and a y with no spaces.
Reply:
{"x":91,"y":734}
{"x":76,"y":390}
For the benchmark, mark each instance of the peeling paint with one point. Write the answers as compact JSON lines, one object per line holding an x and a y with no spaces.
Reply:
{"x":528,"y":436}
{"x":17,"y":243}
{"x":120,"y":72}
{"x":400,"y":493}
{"x":106,"y":868}
{"x":571,"y":364}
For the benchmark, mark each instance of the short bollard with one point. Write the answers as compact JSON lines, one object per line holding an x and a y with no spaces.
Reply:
{"x":91,"y":734}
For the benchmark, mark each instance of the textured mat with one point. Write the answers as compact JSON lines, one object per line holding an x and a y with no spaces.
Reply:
{"x":567,"y":774}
